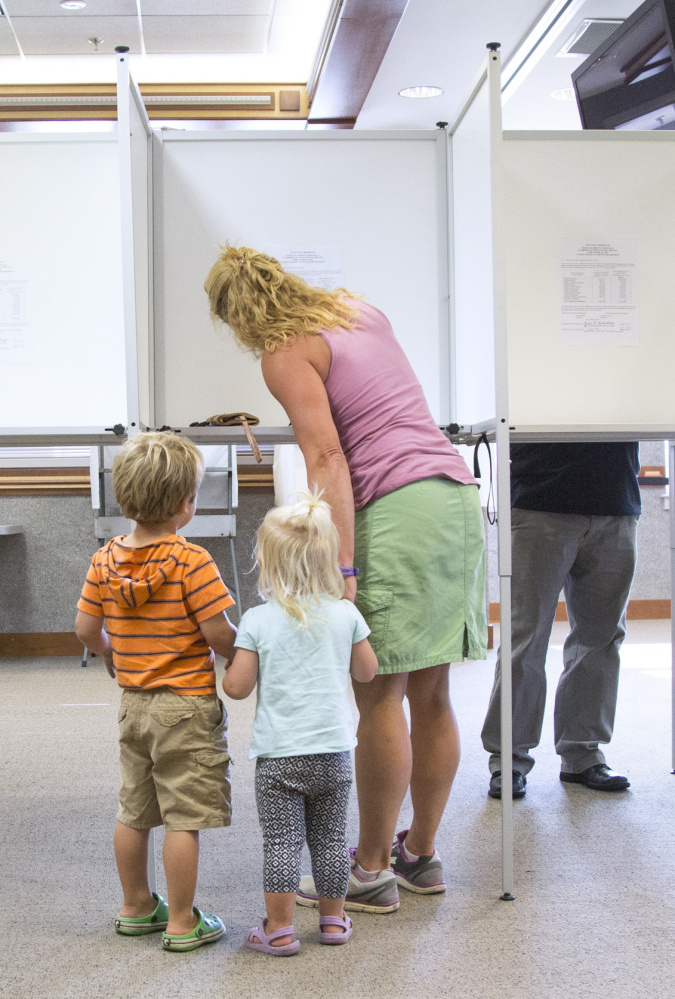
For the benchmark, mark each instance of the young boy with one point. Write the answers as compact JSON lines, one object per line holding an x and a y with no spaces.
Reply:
{"x":163,"y":604}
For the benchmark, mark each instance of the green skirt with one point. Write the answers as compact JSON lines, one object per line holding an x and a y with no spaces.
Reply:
{"x":421,"y":587}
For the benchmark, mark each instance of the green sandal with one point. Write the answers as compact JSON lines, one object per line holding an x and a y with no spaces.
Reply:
{"x":208,"y":929}
{"x":138,"y":926}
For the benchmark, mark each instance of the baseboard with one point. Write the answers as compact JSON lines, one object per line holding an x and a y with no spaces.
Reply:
{"x":66,"y":643}
{"x":638,"y":610}
{"x":40,"y":643}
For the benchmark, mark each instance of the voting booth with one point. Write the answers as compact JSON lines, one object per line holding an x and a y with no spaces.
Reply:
{"x":527,"y":277}
{"x":569,"y":236}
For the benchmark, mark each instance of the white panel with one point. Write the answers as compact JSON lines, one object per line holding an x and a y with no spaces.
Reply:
{"x":590,"y":186}
{"x":44,"y":457}
{"x":473,"y":292}
{"x":211,"y":526}
{"x":142,"y":257}
{"x":372,"y":199}
{"x":59,"y":205}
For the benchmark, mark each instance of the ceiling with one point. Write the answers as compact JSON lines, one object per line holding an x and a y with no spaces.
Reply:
{"x":442,"y":43}
{"x":170,"y":40}
{"x":532,"y":106}
{"x":438,"y":42}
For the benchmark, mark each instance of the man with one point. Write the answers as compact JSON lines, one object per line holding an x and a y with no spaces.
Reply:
{"x":574,"y":524}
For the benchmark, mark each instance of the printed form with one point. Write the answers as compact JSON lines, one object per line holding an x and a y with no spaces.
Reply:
{"x":598,"y":293}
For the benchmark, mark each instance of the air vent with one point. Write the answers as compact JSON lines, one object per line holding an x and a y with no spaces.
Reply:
{"x":588,"y":35}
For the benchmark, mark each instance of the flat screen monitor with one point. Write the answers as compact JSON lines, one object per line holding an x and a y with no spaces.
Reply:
{"x":629,"y":80}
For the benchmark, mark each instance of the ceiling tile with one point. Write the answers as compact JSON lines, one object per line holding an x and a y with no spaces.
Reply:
{"x":205,"y":34}
{"x":211,"y":8}
{"x":66,"y":36}
{"x":295,"y":34}
{"x":52,"y":8}
{"x":302,"y":8}
{"x":7,"y":43}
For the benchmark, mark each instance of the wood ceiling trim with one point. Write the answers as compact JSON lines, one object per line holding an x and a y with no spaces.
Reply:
{"x":278,"y":101}
{"x":76,"y":481}
{"x":362,"y":36}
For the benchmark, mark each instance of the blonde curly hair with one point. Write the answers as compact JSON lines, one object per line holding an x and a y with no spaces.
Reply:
{"x":266,"y":306}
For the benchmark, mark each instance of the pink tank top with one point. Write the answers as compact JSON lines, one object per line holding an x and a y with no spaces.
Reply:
{"x":385,"y":427}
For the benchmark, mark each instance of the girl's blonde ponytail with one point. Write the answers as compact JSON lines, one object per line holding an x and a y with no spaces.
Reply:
{"x":298,"y":555}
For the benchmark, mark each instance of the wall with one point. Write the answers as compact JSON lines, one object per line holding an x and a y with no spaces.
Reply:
{"x":42,"y":571}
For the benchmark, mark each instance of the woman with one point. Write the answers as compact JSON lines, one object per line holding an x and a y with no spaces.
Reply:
{"x":408,"y":514}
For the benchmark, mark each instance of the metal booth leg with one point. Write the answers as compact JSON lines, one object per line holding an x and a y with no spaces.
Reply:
{"x":236,"y":578}
{"x":671,"y":517}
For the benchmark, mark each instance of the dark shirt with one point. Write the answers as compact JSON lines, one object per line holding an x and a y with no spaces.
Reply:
{"x":587,"y":479}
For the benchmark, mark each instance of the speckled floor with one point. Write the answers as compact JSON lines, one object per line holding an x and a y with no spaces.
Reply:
{"x":594,"y":916}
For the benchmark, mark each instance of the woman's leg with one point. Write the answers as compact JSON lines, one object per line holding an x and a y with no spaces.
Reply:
{"x":435,"y":753}
{"x":383,"y":766}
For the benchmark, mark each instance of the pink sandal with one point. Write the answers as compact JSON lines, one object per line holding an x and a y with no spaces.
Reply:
{"x":335,"y":938}
{"x":257,"y":939}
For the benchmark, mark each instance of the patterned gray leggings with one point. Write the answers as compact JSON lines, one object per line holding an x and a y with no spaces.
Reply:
{"x":298,"y":797}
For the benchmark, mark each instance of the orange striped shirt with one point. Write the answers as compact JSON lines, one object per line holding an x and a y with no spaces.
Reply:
{"x":152,"y":599}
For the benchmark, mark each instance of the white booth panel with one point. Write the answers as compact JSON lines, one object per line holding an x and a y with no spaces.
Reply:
{"x":141,"y":179}
{"x":369,"y":202}
{"x":472,"y":252}
{"x":589,"y":187}
{"x":61,"y":323}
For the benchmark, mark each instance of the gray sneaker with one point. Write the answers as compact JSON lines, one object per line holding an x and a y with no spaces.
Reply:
{"x":378,"y":896}
{"x":423,"y":876}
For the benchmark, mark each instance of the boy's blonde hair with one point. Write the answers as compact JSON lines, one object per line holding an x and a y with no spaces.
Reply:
{"x":266,"y":306}
{"x":154,"y":473}
{"x":298,"y":555}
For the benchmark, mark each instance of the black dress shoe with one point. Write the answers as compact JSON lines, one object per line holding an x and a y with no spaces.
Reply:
{"x":598,"y":777}
{"x":518,"y":784}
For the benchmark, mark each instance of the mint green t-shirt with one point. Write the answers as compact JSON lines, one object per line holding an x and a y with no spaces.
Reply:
{"x":303,"y":677}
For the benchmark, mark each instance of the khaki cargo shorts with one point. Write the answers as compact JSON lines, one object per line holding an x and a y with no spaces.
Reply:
{"x":174,"y":759}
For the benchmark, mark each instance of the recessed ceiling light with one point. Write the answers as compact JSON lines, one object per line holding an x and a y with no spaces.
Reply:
{"x":73,"y":4}
{"x":563,"y":95}
{"x":420,"y":92}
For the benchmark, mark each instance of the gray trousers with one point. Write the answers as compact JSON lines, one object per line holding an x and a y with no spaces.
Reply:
{"x":593,"y":560}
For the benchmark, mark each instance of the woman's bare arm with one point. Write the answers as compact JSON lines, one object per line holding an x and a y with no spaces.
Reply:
{"x":292,"y":375}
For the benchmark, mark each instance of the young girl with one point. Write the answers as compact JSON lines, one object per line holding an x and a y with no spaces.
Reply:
{"x":300,"y":648}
